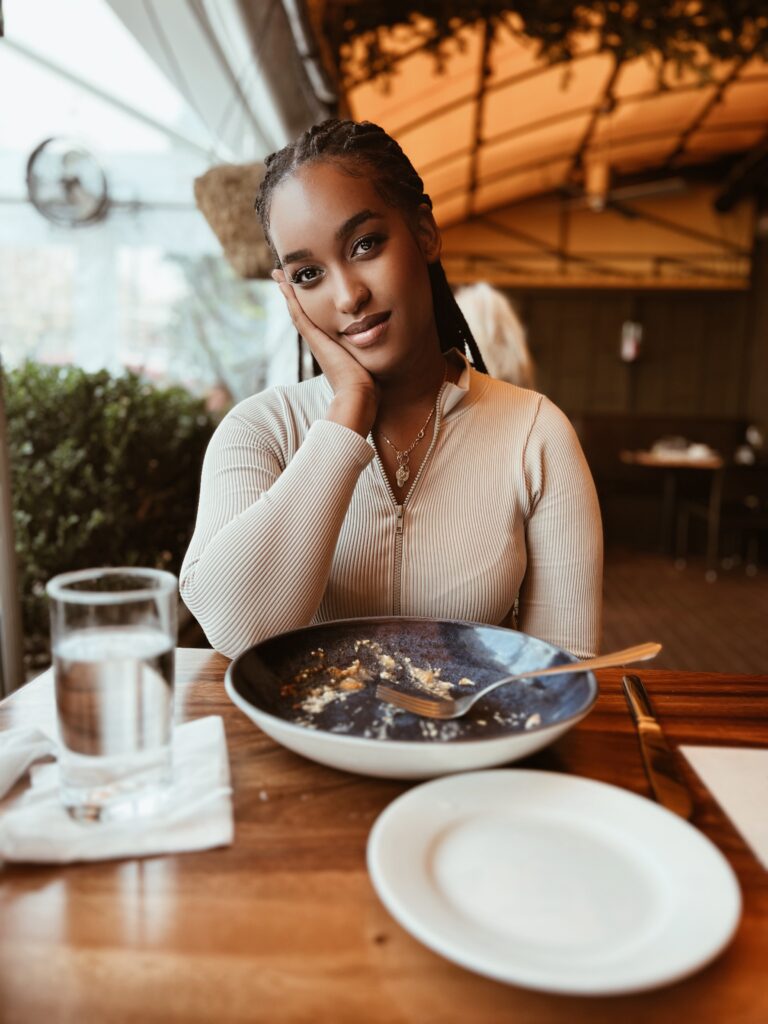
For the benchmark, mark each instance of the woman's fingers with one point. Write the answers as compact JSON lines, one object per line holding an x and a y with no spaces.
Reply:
{"x":327,"y":351}
{"x":356,"y":393}
{"x":301,"y":321}
{"x":339,"y":366}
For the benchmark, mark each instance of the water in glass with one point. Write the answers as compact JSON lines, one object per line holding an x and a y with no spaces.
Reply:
{"x":113,"y":652}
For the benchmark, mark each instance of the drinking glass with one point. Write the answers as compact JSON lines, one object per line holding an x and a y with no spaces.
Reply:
{"x":113,"y":634}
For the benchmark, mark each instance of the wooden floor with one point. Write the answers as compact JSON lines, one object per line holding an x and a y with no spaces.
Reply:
{"x":715,"y":627}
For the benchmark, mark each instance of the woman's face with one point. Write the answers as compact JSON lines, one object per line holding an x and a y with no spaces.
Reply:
{"x":358,"y":268}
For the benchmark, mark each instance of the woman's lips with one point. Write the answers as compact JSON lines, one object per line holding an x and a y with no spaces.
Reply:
{"x":368,"y":330}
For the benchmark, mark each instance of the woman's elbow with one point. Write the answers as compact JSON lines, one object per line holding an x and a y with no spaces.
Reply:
{"x":216,"y":626}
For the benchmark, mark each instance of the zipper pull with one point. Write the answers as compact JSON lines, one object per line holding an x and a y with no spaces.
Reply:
{"x":399,"y":521}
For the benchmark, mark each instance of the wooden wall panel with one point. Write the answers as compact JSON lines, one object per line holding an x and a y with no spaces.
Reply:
{"x":609,"y":380}
{"x":725,"y":359}
{"x":756,"y":380}
{"x":668,"y":371}
{"x":695,"y":360}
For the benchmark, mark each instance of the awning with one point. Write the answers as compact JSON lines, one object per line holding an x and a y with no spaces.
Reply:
{"x":531,"y":128}
{"x":578,"y":172}
{"x":236,"y":64}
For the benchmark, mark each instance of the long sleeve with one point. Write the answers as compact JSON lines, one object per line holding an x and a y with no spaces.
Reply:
{"x":267,"y":526}
{"x":561,"y":594}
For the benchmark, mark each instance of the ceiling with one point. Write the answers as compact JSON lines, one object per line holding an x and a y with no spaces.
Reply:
{"x":584,"y":170}
{"x":529,"y":128}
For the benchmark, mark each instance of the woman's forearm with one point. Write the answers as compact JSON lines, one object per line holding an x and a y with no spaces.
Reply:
{"x":265,"y":537}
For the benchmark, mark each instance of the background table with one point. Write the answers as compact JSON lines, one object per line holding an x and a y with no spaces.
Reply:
{"x":285,"y":926}
{"x":672,"y":465}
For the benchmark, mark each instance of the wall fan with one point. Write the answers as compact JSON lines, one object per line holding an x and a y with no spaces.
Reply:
{"x":66,"y":183}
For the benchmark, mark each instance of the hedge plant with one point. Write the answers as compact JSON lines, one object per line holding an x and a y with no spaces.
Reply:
{"x":105,"y":471}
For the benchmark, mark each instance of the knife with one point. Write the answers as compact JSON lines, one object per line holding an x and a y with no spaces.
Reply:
{"x":663,"y":775}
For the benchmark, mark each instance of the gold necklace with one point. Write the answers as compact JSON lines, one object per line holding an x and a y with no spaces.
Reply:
{"x":403,"y":471}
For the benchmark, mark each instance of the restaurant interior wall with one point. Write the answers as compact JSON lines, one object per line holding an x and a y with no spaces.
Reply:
{"x":702,"y":373}
{"x":757,"y":385}
{"x":695,"y":357}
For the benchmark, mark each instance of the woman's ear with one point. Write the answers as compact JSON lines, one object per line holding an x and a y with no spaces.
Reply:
{"x":428,"y":234}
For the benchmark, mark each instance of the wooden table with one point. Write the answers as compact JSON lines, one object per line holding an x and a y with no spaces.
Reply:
{"x":285,"y":926}
{"x":672,"y":464}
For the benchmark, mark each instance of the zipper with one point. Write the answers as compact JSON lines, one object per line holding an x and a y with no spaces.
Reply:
{"x":396,"y":576}
{"x":400,"y":508}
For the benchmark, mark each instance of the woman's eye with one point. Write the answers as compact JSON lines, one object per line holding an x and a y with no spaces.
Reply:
{"x":306,"y":275}
{"x":367,"y":244}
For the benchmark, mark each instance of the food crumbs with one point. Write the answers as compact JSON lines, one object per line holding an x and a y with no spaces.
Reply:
{"x":318,"y":685}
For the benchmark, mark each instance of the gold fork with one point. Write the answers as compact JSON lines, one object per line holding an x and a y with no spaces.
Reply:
{"x":443,"y":707}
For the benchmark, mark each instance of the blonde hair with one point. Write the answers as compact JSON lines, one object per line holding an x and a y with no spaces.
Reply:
{"x":499,"y":333}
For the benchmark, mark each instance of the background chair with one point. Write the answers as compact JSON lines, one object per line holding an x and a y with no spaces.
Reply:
{"x":735,"y":516}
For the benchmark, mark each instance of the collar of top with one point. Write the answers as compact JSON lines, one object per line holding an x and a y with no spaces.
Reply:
{"x":465,"y":387}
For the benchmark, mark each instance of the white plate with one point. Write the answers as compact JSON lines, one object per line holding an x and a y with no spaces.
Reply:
{"x":553,"y":882}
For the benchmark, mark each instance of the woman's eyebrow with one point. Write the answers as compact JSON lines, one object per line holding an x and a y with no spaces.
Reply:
{"x":294,"y":257}
{"x":354,"y":221}
{"x":348,"y":226}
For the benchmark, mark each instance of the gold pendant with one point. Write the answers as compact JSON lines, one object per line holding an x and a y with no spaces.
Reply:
{"x":402,"y":474}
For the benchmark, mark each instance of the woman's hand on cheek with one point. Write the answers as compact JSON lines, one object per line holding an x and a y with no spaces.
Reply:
{"x":356,"y":397}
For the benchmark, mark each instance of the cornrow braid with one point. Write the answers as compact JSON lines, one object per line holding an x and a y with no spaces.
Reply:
{"x":452,"y":327}
{"x":365,"y":149}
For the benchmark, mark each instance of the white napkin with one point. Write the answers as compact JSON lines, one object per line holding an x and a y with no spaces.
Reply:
{"x":737,"y":777}
{"x":19,"y":748}
{"x":197,"y":815}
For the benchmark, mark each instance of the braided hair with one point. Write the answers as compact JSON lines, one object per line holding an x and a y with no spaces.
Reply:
{"x":365,"y":149}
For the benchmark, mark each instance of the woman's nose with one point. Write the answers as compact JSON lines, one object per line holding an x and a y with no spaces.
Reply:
{"x":351,"y":294}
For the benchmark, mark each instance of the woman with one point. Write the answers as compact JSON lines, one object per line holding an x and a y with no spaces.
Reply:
{"x":402,"y":480}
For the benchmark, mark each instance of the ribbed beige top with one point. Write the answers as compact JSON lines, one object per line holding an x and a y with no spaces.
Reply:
{"x":298,"y":524}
